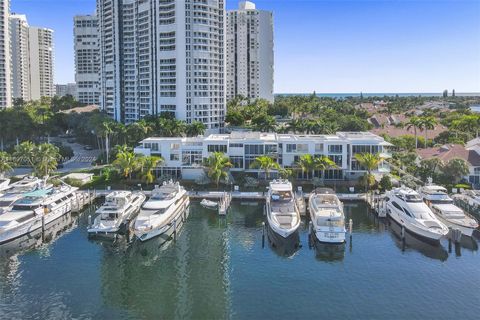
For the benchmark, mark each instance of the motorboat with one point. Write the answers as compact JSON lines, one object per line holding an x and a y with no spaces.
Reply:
{"x":118,"y":208}
{"x":282,"y":212}
{"x":163,"y":213}
{"x":36,"y":209}
{"x":16,"y":190}
{"x":327,"y":216}
{"x":209,"y":204}
{"x":437,"y":198}
{"x":406,"y":207}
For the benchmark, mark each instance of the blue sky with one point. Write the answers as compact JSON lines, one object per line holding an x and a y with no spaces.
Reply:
{"x":336,"y":46}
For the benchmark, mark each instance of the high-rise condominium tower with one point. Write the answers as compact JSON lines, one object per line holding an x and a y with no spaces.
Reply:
{"x":19,"y":36}
{"x":163,"y":56}
{"x":5,"y":62}
{"x":249,"y":39}
{"x":87,"y":58}
{"x":41,"y":62}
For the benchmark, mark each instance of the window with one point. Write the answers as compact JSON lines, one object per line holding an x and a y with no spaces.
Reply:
{"x":191,"y":157}
{"x":174,"y":157}
{"x":237,"y":162}
{"x":396,"y":205}
{"x":476,"y":171}
{"x":217,"y":148}
{"x":174,"y":146}
{"x":297,"y":148}
{"x":254,"y":149}
{"x":154,"y":147}
{"x":318,"y":147}
{"x":335,"y":148}
{"x":271,"y":148}
{"x":236,"y":145}
{"x":337,"y":159}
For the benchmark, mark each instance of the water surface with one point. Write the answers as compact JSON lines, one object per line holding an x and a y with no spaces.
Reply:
{"x":218,"y":268}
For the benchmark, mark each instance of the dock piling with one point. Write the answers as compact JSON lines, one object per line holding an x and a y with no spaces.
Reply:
{"x":263,"y":234}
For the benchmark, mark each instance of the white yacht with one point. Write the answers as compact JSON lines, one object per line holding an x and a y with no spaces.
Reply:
{"x":436,"y":197}
{"x":119,"y":206}
{"x":26,"y":214}
{"x":162,"y":213}
{"x":282,"y":212}
{"x":17,"y":189}
{"x":326,"y":214}
{"x":407,"y":208}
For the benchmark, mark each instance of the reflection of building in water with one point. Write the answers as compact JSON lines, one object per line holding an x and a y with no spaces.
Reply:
{"x":188,"y":277}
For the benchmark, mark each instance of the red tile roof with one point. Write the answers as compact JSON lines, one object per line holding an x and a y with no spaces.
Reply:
{"x":450,"y":151}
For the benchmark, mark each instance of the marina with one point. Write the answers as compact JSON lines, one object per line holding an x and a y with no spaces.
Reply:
{"x":215,"y":264}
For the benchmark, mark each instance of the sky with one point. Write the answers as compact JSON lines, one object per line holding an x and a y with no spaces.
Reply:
{"x":336,"y":46}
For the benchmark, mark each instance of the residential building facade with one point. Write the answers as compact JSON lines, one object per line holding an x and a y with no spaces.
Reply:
{"x":19,"y":35}
{"x":41,"y":62}
{"x":5,"y":56}
{"x":163,"y":56}
{"x":250,"y":58}
{"x":183,"y":157}
{"x":61,"y":90}
{"x":87,"y":58}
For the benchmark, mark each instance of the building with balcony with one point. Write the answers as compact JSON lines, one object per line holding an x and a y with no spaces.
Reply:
{"x":5,"y":56}
{"x":87,"y":58}
{"x":40,"y":44}
{"x":183,"y":157}
{"x":249,"y":53}
{"x":163,"y":57}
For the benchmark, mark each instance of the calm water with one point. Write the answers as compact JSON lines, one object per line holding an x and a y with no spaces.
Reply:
{"x":217,"y":268}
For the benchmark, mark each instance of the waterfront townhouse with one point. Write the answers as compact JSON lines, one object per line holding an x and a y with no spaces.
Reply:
{"x":184,"y":156}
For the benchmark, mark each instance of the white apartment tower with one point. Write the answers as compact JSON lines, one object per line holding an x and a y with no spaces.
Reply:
{"x":19,"y":35}
{"x":163,"y":56}
{"x":249,"y":53}
{"x":5,"y":56}
{"x":87,"y":58}
{"x":41,"y":62}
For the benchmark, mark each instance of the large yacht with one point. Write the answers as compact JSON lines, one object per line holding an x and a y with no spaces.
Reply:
{"x":282,"y":212}
{"x":326,"y":214}
{"x":119,"y":207}
{"x":407,"y":208}
{"x":26,"y":214}
{"x":436,"y":197}
{"x":17,"y":189}
{"x":162,"y":214}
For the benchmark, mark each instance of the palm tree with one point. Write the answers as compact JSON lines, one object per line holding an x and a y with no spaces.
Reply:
{"x":217,"y":166}
{"x":428,"y":123}
{"x":107,"y":130}
{"x":5,"y":163}
{"x":149,"y":163}
{"x":266,"y":164}
{"x":196,"y":128}
{"x":370,"y":162}
{"x":306,"y":163}
{"x":46,"y":158}
{"x":127,"y":162}
{"x":25,"y":153}
{"x":415,"y":123}
{"x":322,"y":163}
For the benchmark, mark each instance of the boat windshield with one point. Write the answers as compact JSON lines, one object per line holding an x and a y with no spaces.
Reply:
{"x":109,"y":216}
{"x":162,"y":196}
{"x":328,"y":222}
{"x":413,"y":198}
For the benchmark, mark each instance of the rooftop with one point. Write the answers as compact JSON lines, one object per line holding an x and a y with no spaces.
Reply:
{"x":450,"y":151}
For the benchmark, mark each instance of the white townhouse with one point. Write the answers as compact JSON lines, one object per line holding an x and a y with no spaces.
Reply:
{"x":184,"y":156}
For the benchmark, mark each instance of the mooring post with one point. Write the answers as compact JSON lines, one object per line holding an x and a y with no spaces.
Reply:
{"x":89,"y":220}
{"x":402,"y":234}
{"x":263,"y":234}
{"x":311,"y":236}
{"x":175,"y":229}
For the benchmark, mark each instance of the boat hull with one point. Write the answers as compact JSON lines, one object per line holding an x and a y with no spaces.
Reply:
{"x":418,"y":231}
{"x":171,"y":226}
{"x":465,"y":230}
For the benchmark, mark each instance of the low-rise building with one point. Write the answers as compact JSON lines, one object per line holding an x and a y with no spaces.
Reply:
{"x":470,"y":153}
{"x":183,"y":157}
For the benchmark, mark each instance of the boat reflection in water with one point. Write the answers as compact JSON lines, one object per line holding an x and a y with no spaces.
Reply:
{"x":430,"y":250}
{"x":328,"y":252}
{"x":284,"y":247}
{"x":35,"y":239}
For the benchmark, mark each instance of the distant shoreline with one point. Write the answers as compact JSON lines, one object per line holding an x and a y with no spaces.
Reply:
{"x":382,"y":94}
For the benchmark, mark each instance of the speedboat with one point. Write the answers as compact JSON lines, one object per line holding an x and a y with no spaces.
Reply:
{"x":17,"y":190}
{"x":119,"y":207}
{"x":436,"y":197}
{"x":282,"y":212}
{"x":406,"y":207}
{"x":209,"y":204}
{"x":36,"y":209}
{"x":160,"y":215}
{"x":326,"y":214}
